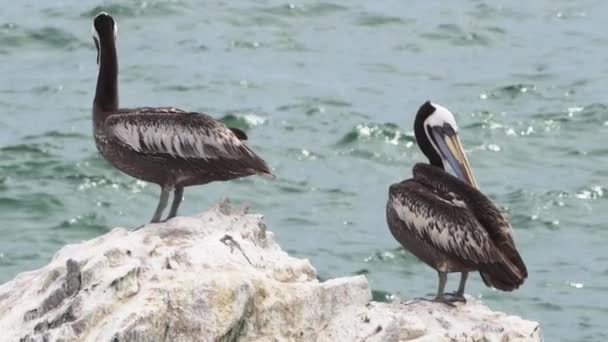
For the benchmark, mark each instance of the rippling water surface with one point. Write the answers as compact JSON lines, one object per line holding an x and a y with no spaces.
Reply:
{"x":327,"y":93}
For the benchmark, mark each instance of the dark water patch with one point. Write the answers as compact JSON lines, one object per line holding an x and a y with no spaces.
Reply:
{"x":362,"y":271}
{"x":293,"y":186}
{"x":86,"y":182}
{"x":246,"y":44}
{"x":11,"y":35}
{"x":596,"y":113}
{"x":313,"y":10}
{"x":5,"y":260}
{"x":55,"y":12}
{"x":591,"y":193}
{"x":549,"y":306}
{"x":338,"y":191}
{"x":94,"y":161}
{"x":338,"y":203}
{"x":383,"y":68}
{"x":303,"y":154}
{"x":299,"y":221}
{"x":47,"y":37}
{"x":529,"y":210}
{"x":138,"y":8}
{"x":315,"y":105}
{"x":255,"y":20}
{"x":15,"y":258}
{"x":217,"y":85}
{"x":535,"y":77}
{"x":409,"y":47}
{"x":513,"y":90}
{"x":190,"y":42}
{"x":290,"y":44}
{"x":180,"y":88}
{"x":380,"y":154}
{"x":370,"y":19}
{"x":394,"y":256}
{"x":483,"y":119}
{"x":457,"y":36}
{"x":388,"y":133}
{"x":32,"y":150}
{"x":290,"y":189}
{"x":26,"y":160}
{"x":46,"y":89}
{"x":32,"y":170}
{"x":389,"y":69}
{"x":575,"y":117}
{"x":596,"y":152}
{"x":495,"y":29}
{"x":30,"y":161}
{"x":558,"y":117}
{"x":363,"y":154}
{"x":567,"y":14}
{"x":383,"y":296}
{"x":87,"y":222}
{"x":488,"y":11}
{"x":56,"y":135}
{"x":55,"y":37}
{"x":38,"y":204}
{"x":244,"y":119}
{"x":333,"y":102}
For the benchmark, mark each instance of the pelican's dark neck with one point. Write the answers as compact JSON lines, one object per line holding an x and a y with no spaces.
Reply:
{"x":425,"y":144}
{"x":106,"y":94}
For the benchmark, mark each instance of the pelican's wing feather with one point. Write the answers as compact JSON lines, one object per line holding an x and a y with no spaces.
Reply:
{"x":489,"y":216}
{"x":194,"y":137}
{"x":442,"y":221}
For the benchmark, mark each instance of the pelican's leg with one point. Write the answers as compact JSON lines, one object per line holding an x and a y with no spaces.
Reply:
{"x":440,"y":298}
{"x":458,"y":296}
{"x":443,"y":278}
{"x":178,"y":195}
{"x":162,"y":204}
{"x":463,"y":281}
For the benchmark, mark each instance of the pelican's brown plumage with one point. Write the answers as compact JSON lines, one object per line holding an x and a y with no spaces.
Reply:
{"x":445,"y":220}
{"x":164,"y":145}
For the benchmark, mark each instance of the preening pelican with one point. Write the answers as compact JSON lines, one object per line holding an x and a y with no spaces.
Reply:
{"x":445,"y":220}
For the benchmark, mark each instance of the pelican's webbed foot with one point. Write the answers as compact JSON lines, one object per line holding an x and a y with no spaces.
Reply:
{"x":456,"y":297}
{"x":443,"y":300}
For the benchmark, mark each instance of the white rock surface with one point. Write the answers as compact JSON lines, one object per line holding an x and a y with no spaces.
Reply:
{"x":219,"y":276}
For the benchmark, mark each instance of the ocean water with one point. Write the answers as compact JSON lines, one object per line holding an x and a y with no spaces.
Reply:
{"x":327,"y":92}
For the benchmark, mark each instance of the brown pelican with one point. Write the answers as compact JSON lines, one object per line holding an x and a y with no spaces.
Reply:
{"x":163,"y":145}
{"x":446,"y":221}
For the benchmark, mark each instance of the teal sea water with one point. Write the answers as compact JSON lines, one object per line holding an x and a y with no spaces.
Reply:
{"x":327,"y":92}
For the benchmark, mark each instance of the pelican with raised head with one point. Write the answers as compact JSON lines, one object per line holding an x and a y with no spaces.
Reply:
{"x":445,"y":220}
{"x":164,"y":145}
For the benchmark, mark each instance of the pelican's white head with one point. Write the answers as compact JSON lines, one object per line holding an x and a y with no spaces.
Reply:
{"x":437,"y":136}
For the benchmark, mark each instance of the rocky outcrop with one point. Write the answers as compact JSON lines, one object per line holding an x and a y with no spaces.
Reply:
{"x":219,"y":276}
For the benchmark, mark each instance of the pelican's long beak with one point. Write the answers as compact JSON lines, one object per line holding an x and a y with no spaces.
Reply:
{"x":451,"y":150}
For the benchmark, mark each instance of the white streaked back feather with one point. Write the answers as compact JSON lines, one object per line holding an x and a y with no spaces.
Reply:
{"x":198,"y":137}
{"x":456,"y":233}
